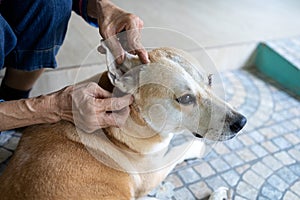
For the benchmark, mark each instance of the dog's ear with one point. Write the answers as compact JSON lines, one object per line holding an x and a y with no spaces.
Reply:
{"x":123,"y":76}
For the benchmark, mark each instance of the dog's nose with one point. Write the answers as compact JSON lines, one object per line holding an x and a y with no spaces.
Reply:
{"x":238,"y":124}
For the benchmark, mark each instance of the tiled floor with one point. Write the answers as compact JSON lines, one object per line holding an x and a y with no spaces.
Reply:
{"x":263,"y":162}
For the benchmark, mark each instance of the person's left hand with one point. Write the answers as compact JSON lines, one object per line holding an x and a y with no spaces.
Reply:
{"x":90,"y":107}
{"x":113,"y":20}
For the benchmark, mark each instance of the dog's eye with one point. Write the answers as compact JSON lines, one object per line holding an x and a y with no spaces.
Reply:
{"x":186,"y":99}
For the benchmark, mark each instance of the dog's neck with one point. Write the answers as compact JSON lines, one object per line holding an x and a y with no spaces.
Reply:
{"x":141,"y":139}
{"x":135,"y":134}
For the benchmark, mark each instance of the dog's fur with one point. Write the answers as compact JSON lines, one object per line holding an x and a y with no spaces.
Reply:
{"x":58,"y":161}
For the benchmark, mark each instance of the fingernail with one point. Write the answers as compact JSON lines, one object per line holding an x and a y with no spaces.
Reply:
{"x":146,"y":59}
{"x":120,"y":60}
{"x":130,"y":98}
{"x":101,"y":50}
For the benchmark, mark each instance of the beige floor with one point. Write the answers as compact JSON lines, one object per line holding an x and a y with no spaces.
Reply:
{"x":228,"y":30}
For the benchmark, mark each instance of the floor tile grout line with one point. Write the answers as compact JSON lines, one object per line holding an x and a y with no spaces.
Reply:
{"x":240,"y":165}
{"x":274,"y":173}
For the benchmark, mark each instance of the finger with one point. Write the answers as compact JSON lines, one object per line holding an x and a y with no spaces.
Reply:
{"x":135,"y":45}
{"x":116,"y":49}
{"x":122,"y":116}
{"x":143,"y":55}
{"x":98,"y":92}
{"x":123,"y":39}
{"x":117,"y":118}
{"x":115,"y":104}
{"x":134,"y":39}
{"x":101,"y":49}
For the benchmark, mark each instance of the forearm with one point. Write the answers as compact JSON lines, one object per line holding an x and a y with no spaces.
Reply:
{"x":86,"y":105}
{"x":25,"y":112}
{"x":94,"y":11}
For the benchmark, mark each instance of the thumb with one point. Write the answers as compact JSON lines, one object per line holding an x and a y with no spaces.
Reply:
{"x":98,"y":92}
{"x":116,"y":49}
{"x":115,"y":104}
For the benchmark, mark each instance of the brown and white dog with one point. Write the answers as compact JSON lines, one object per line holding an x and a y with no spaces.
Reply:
{"x":58,"y":161}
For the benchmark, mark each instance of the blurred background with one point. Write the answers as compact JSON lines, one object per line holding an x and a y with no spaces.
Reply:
{"x":229,"y":31}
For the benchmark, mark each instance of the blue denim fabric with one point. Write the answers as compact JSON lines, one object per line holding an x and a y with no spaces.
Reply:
{"x":33,"y":31}
{"x":8,"y":40}
{"x":1,"y":100}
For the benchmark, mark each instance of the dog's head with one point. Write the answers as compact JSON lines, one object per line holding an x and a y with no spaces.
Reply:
{"x":172,"y":94}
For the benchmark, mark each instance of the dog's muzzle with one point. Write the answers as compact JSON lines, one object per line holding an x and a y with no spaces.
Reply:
{"x":229,"y":132}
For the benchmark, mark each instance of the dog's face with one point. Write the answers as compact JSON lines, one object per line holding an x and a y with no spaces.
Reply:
{"x":172,"y":95}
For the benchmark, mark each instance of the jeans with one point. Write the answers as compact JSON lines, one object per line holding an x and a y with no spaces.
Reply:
{"x":31,"y":32}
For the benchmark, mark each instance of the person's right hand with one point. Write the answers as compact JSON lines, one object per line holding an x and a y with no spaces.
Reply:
{"x":120,"y":30}
{"x":90,"y":107}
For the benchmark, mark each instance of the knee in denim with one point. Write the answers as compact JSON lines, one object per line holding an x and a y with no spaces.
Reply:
{"x":55,"y":11}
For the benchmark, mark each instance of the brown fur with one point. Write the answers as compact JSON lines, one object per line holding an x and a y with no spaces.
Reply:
{"x":64,"y":168}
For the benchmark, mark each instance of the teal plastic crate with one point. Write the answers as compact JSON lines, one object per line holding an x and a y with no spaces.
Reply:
{"x":280,"y":60}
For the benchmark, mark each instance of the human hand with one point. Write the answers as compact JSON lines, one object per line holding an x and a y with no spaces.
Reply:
{"x":90,"y":107}
{"x":113,"y":20}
